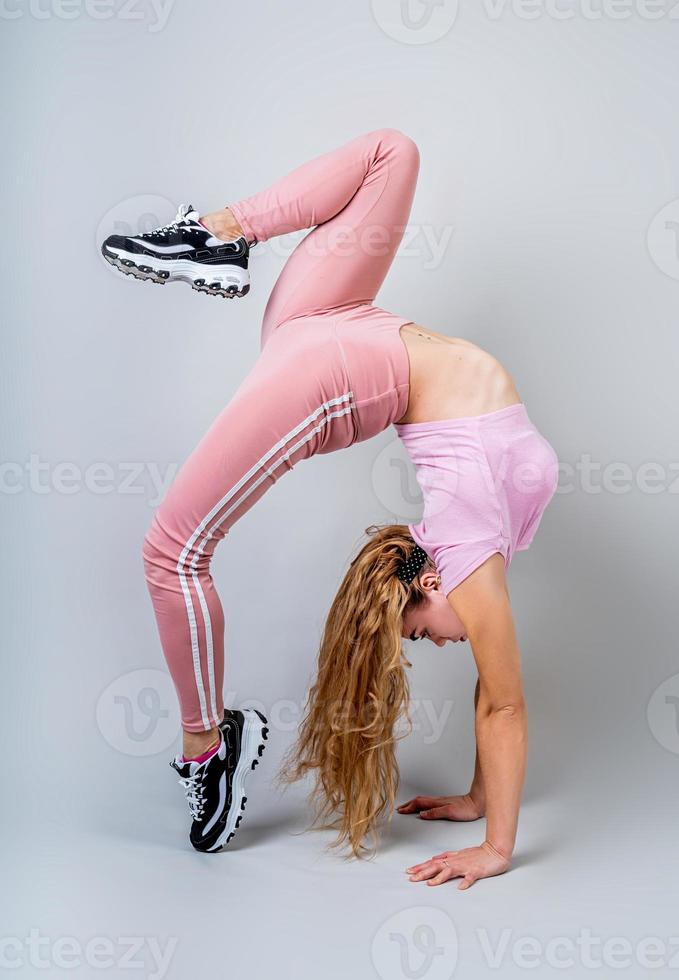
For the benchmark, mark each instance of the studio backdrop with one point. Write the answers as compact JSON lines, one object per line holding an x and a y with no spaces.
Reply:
{"x":545,"y":229}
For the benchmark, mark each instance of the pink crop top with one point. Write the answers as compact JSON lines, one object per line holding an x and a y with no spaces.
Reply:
{"x":486,"y":481}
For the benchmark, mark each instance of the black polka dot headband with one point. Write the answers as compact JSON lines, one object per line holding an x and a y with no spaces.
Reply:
{"x":409,"y":567}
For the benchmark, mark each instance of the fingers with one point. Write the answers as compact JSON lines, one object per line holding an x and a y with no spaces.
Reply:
{"x":435,"y":813}
{"x":437,"y":857}
{"x":432,"y":866}
{"x":445,"y":874}
{"x":405,"y":807}
{"x":438,"y":874}
{"x":409,"y":807}
{"x":441,"y":807}
{"x":424,"y":870}
{"x":469,"y":864}
{"x":468,"y":880}
{"x":417,"y":803}
{"x":435,"y":872}
{"x":418,"y":869}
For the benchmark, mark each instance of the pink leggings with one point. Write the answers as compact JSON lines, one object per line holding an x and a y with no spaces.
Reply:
{"x":332,"y":370}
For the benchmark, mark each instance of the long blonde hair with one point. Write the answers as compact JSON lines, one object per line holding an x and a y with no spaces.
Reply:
{"x":361,"y":690}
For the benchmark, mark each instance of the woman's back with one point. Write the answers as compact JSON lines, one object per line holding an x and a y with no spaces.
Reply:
{"x":452,"y":378}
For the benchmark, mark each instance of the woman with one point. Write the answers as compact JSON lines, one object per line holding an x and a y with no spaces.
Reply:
{"x":335,"y":369}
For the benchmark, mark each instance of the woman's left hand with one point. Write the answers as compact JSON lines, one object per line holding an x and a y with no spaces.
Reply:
{"x":471,"y":863}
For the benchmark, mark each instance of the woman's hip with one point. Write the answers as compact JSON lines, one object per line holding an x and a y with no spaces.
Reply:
{"x":356,"y":354}
{"x":377,"y":365}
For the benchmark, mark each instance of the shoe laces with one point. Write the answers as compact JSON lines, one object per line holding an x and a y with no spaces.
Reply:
{"x":180,"y":218}
{"x":193,"y":790}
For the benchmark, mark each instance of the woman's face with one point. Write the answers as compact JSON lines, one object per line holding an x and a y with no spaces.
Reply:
{"x":434,"y":619}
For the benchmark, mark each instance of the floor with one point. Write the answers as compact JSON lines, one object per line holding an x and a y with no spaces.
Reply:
{"x":101,"y":889}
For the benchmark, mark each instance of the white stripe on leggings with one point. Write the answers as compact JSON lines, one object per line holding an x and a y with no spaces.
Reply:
{"x":195,"y":648}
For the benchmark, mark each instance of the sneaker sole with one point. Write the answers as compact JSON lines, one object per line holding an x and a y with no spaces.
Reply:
{"x":255,"y":735}
{"x":216,"y":280}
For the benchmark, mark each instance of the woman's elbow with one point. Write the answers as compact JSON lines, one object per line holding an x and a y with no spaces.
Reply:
{"x":514,"y":707}
{"x":511,"y":709}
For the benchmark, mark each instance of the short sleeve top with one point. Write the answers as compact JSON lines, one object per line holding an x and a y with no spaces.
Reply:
{"x":486,"y":481}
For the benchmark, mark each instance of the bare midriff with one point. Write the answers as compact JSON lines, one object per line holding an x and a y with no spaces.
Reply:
{"x":452,"y":378}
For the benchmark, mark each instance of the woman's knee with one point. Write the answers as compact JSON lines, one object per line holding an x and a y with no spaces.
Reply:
{"x":160,"y":551}
{"x":170,"y":550}
{"x":403,"y":144}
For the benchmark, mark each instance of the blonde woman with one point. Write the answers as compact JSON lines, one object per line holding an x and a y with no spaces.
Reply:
{"x":335,"y":369}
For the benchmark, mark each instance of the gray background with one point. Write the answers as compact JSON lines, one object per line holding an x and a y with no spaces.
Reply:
{"x":548,"y":148}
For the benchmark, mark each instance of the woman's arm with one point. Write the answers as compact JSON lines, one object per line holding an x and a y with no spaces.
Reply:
{"x":478,"y":789}
{"x":482,"y":603}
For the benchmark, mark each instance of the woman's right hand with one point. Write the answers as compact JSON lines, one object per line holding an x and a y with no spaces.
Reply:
{"x":443,"y":807}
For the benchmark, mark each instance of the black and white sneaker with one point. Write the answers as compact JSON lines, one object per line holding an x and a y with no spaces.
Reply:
{"x":183,"y":250}
{"x":214,"y":789}
{"x":246,"y":732}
